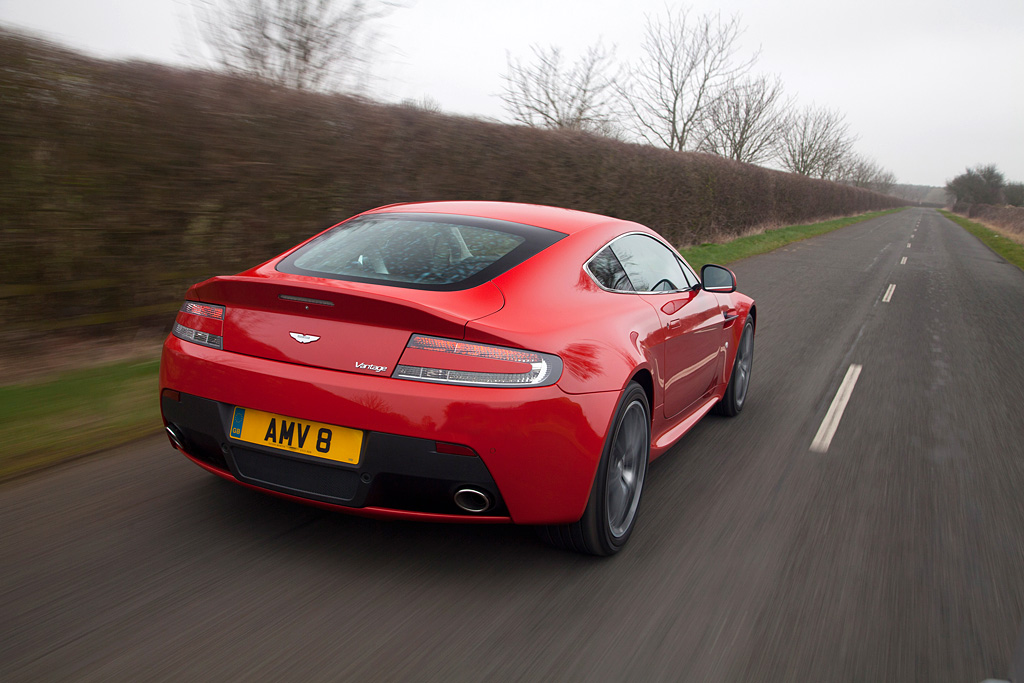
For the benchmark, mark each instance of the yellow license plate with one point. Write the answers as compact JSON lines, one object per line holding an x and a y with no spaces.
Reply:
{"x":298,"y":436}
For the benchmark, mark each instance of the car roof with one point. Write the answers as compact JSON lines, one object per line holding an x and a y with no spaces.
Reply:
{"x":567,"y":221}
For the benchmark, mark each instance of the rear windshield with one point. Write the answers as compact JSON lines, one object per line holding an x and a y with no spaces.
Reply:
{"x":422,"y":251}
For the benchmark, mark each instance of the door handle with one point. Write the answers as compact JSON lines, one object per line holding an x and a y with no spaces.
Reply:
{"x":675,"y":324}
{"x":730,"y":316}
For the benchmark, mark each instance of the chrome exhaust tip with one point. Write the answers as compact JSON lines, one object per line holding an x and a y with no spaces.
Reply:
{"x":177,"y":440}
{"x":472,"y":500}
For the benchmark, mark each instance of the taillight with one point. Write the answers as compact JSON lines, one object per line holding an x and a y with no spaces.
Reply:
{"x":451,"y":361}
{"x":200,"y":323}
{"x":204,"y":310}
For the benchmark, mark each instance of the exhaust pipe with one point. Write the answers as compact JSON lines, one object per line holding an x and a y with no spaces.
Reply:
{"x":472,"y":500}
{"x":177,"y":440}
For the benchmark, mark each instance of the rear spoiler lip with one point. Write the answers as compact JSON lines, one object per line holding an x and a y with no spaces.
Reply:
{"x":435,"y":312}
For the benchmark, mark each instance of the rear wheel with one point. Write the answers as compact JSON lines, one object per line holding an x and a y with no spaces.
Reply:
{"x":611,"y":511}
{"x":736,"y":393}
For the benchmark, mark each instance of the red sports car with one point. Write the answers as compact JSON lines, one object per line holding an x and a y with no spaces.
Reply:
{"x":461,"y":362}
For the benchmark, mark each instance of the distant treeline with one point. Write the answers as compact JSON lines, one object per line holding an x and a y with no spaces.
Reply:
{"x":921,"y":195}
{"x":123,"y":182}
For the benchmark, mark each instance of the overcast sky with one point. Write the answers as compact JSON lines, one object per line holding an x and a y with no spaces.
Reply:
{"x":929,"y":87}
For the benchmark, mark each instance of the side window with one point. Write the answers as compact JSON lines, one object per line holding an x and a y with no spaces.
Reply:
{"x":650,"y":265}
{"x":608,"y":272}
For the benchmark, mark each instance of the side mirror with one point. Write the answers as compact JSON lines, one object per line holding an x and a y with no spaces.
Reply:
{"x":717,"y":279}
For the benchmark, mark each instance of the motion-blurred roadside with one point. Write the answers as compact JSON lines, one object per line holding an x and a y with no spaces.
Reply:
{"x":124,"y":182}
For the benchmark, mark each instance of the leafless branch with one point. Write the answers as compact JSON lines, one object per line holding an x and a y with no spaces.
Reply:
{"x":745,"y":122}
{"x":302,"y":44}
{"x":816,"y":142}
{"x":687,"y":61}
{"x":860,"y":171}
{"x":550,"y":93}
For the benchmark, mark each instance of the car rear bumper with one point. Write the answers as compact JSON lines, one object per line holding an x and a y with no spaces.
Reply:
{"x":538,"y":448}
{"x":394,"y":472}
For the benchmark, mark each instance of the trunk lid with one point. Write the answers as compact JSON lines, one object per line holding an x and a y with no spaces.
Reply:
{"x":347,"y":326}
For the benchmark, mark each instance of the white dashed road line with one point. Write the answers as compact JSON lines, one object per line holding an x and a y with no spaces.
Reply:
{"x":829,"y":425}
{"x":823,"y":439}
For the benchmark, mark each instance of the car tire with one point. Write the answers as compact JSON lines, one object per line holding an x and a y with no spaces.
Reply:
{"x":739,"y":382}
{"x":611,"y":511}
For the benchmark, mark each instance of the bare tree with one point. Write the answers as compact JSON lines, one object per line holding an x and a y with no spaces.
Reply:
{"x":550,"y":93}
{"x":424,"y":103}
{"x":746,"y":120}
{"x":1014,"y":194}
{"x":884,"y":181}
{"x":815,"y":143}
{"x":860,"y":171}
{"x":866,"y":173}
{"x":982,"y":184}
{"x":303,"y":44}
{"x":848,"y":168}
{"x":687,"y":61}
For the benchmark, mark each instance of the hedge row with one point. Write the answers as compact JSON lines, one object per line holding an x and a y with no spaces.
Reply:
{"x":122,"y":182}
{"x":1009,"y":218}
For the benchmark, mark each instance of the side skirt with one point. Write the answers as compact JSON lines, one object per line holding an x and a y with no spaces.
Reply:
{"x":663,"y":441}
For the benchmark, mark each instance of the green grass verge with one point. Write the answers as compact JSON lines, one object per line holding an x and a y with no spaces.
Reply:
{"x":83,"y":411}
{"x":1002,"y":245}
{"x":768,"y":240}
{"x":76,"y":412}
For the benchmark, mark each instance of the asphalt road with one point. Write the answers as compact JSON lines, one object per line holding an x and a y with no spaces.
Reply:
{"x":896,"y":554}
